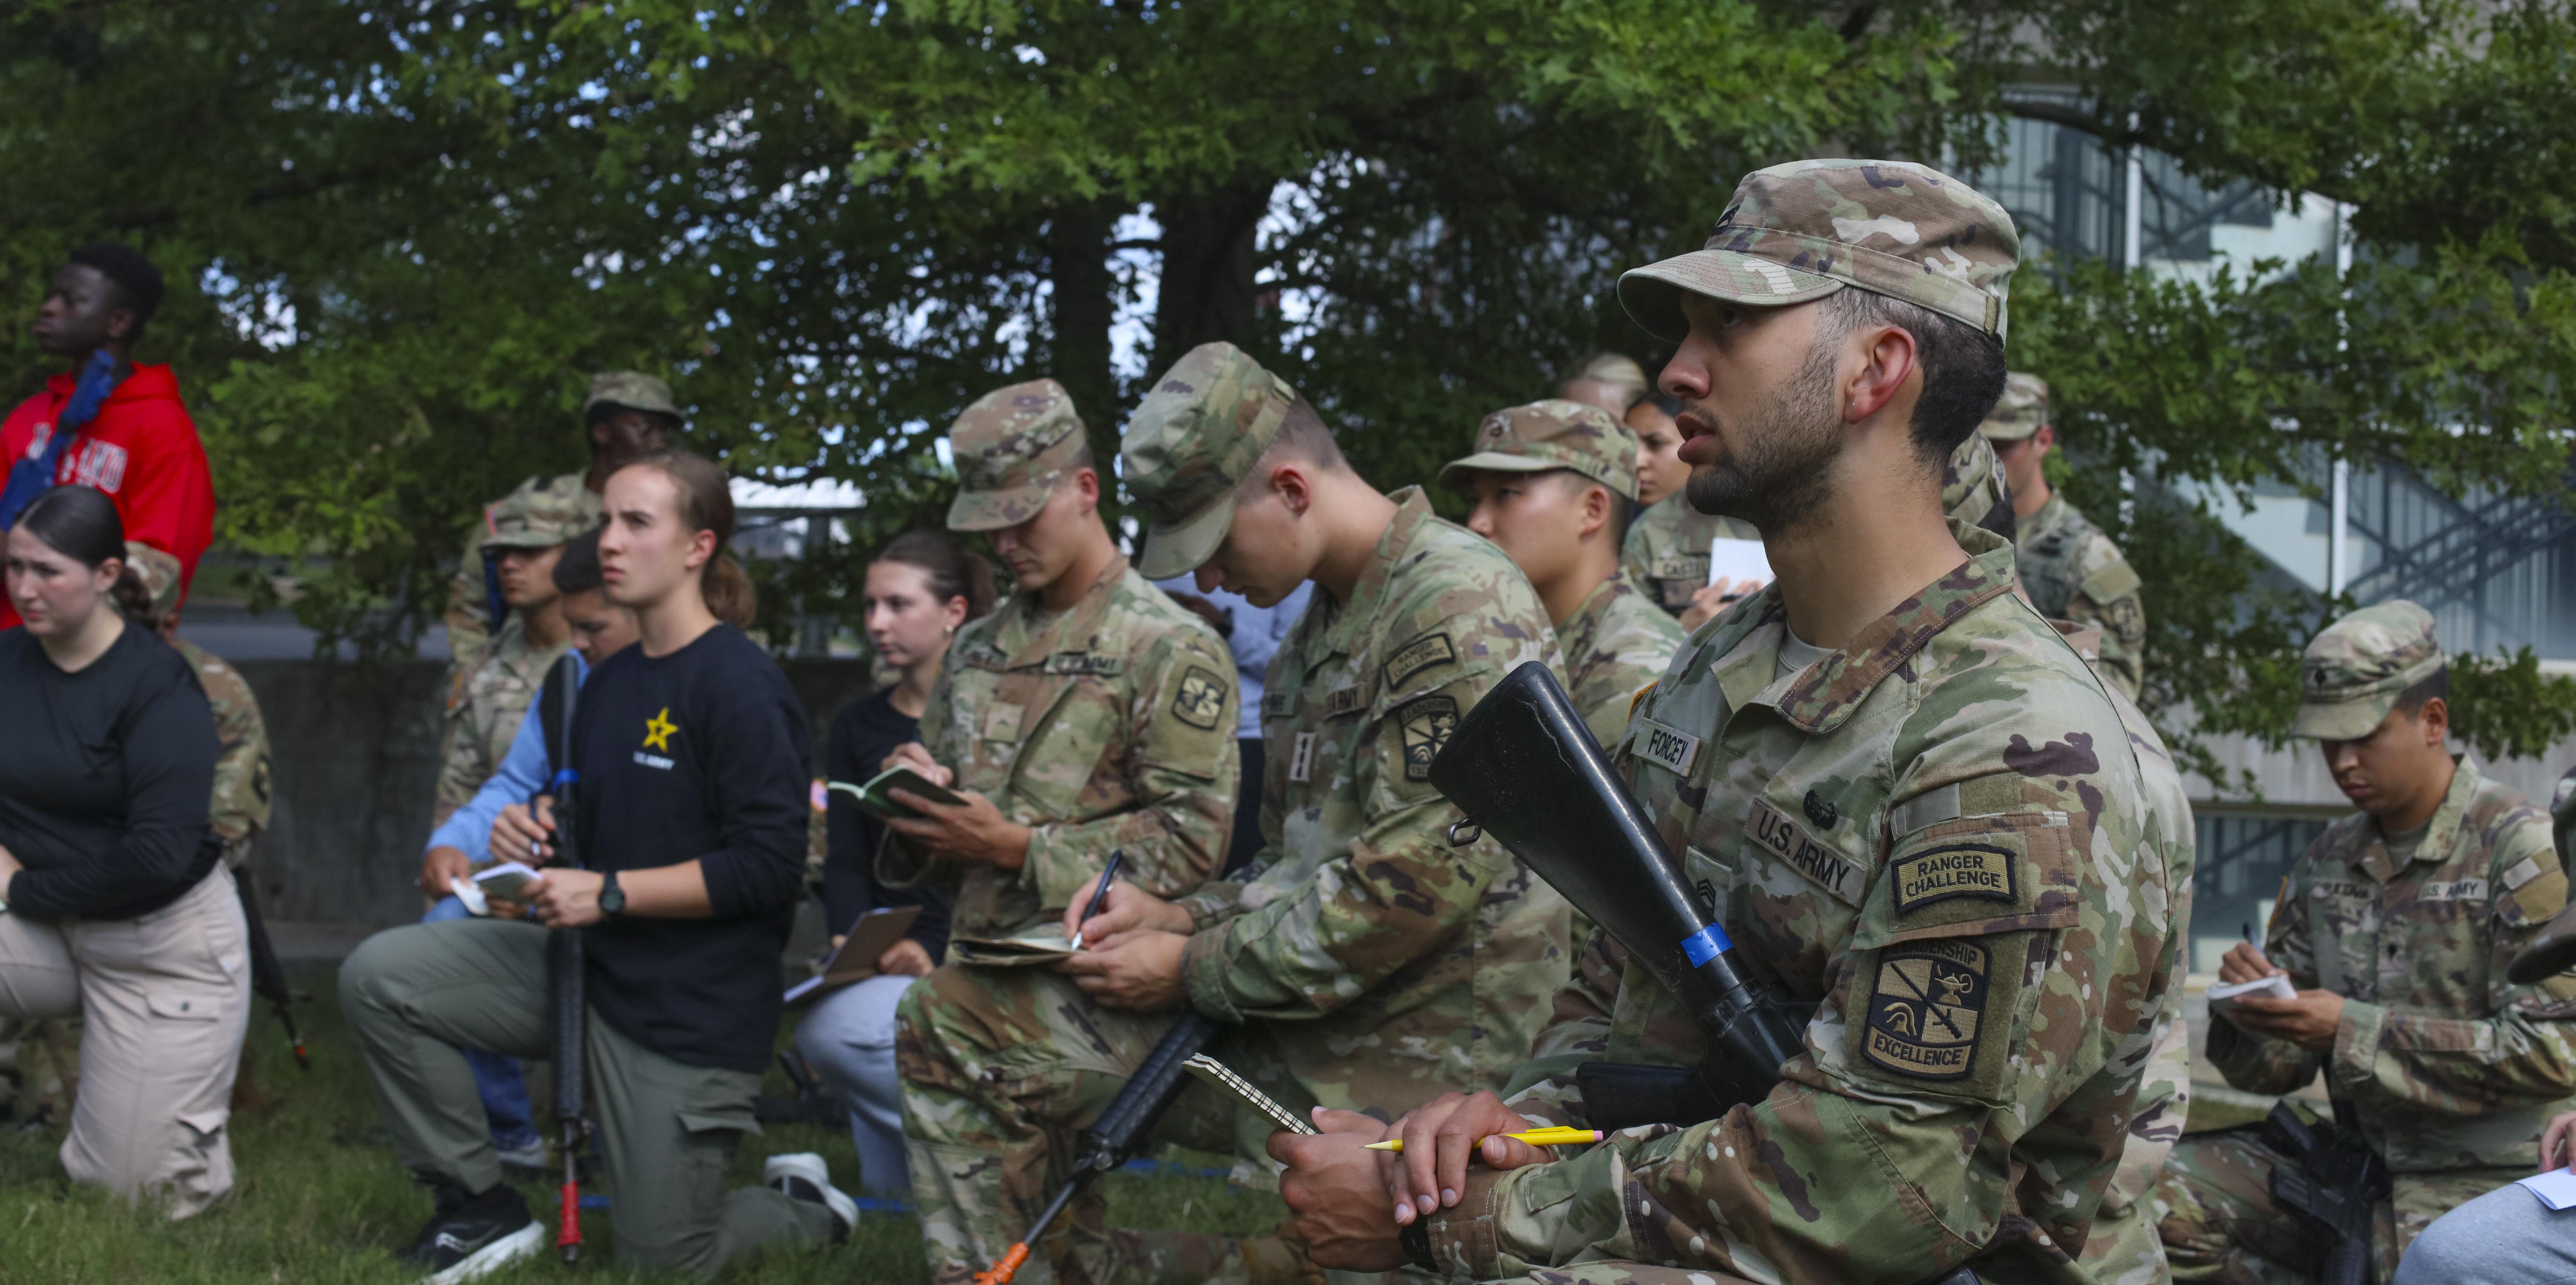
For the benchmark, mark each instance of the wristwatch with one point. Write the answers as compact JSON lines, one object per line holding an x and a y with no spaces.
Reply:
{"x":612,"y":899}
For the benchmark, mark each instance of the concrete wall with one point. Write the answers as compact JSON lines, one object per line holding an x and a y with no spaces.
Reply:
{"x":355,"y":757}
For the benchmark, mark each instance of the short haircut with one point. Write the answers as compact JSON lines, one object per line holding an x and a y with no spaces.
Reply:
{"x":577,"y":571}
{"x":1303,"y":436}
{"x":137,"y":283}
{"x":1963,"y":367}
{"x":2411,"y":701}
{"x":1617,"y":525}
{"x":1082,"y":457}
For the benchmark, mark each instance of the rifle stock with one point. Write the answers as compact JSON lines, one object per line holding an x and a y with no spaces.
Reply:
{"x":2332,"y":1180}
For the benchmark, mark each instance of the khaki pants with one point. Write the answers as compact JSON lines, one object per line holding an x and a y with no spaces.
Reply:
{"x":165,"y":1001}
{"x":415,"y":995}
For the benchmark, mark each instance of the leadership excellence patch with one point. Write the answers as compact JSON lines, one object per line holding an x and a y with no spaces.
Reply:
{"x":1953,"y":870}
{"x":1201,"y":699}
{"x":1926,"y":1011}
{"x":1426,"y":724}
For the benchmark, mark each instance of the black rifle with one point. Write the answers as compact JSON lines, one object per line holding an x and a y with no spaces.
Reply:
{"x":1114,"y":1138}
{"x":267,"y":975}
{"x":1525,"y":769}
{"x":2331,"y":1179}
{"x":564,"y":955}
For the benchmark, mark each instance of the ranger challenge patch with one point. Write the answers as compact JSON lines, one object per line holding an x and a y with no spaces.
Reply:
{"x":1426,"y":652}
{"x":1953,"y":870}
{"x":1425,"y":725}
{"x":1201,"y":700}
{"x":1927,"y":1009}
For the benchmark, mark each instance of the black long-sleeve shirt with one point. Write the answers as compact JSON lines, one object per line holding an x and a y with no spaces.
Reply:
{"x":695,"y":756}
{"x":104,"y":778}
{"x":861,"y":738}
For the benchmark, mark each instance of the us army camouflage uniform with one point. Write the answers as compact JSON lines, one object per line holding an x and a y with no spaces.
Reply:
{"x":239,"y":809}
{"x":1666,"y":552}
{"x":486,"y":701}
{"x":2068,"y":567}
{"x":2451,"y":1067}
{"x":468,"y":620}
{"x":1616,"y":641}
{"x":1941,"y":834}
{"x":1358,"y":960}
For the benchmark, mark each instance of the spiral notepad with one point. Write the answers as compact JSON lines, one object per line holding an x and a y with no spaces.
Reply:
{"x":1218,"y":1075}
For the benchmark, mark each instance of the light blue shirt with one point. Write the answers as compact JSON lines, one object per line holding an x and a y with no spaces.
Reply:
{"x":1255,"y":638}
{"x":523,"y":772}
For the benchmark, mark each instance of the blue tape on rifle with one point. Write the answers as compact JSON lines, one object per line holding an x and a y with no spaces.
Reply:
{"x":563,"y":778}
{"x":1705,"y":945}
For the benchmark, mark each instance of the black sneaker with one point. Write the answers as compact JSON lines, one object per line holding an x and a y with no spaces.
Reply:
{"x":472,"y":1236}
{"x":803,"y":1176}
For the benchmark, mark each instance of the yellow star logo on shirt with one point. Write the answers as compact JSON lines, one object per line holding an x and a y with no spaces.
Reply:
{"x":658,"y":729}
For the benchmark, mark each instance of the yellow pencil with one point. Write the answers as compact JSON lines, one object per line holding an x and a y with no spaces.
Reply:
{"x":1551,"y":1136}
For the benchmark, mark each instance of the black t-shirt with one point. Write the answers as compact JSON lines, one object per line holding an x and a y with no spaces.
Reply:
{"x":698,"y":755}
{"x":104,"y":778}
{"x":861,"y":738}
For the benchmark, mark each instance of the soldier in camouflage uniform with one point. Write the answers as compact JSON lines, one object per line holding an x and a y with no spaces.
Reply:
{"x":1666,"y":552}
{"x":626,"y":414}
{"x":488,"y":695}
{"x":1358,"y":960}
{"x":1944,"y":830}
{"x":2068,"y":567}
{"x":1608,"y":381}
{"x":2395,"y":926}
{"x":1549,"y":480}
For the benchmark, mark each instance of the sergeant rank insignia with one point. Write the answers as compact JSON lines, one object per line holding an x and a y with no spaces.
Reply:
{"x":1925,"y":1013}
{"x":1201,"y":699}
{"x":1426,"y":724}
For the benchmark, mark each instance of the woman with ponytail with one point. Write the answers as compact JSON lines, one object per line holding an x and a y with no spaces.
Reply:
{"x":690,"y":752}
{"x":114,"y":902}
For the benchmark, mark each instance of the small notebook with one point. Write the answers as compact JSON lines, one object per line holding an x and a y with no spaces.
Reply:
{"x":2556,"y":1188}
{"x":2276,"y":986}
{"x":1045,"y":944}
{"x":1733,"y":559}
{"x":1219,"y":1076}
{"x":877,"y":796}
{"x":856,"y":959}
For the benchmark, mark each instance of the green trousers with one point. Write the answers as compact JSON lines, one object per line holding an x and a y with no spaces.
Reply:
{"x":417,"y":994}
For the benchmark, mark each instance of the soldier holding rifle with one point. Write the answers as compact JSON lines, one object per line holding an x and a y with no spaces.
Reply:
{"x":1909,"y":801}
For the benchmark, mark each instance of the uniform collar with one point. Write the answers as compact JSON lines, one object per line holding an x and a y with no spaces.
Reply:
{"x":2440,"y":834}
{"x":1412,"y":511}
{"x":1071,"y":630}
{"x":1823,"y":698}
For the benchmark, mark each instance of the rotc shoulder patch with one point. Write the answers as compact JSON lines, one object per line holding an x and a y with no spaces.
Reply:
{"x":1425,"y":725}
{"x":1927,"y":1008}
{"x":1200,"y":702}
{"x":1986,"y":870}
{"x":1426,"y":652}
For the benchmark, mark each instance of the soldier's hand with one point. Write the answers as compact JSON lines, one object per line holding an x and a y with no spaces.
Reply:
{"x":1440,"y":1137}
{"x":1135,"y":970}
{"x":906,"y":958}
{"x":440,"y":865}
{"x":2310,"y":1021}
{"x":1128,"y":909}
{"x":2244,"y":963}
{"x":973,"y":831}
{"x":911,"y":754}
{"x":567,"y":898}
{"x":1334,"y":1189}
{"x":519,"y":835}
{"x":2555,"y":1140}
{"x":1716,"y":596}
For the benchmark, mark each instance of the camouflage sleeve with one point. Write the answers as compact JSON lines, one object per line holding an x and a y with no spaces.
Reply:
{"x":2259,"y":1063}
{"x":461,"y":766}
{"x":1633,"y":555}
{"x":241,"y":799}
{"x":1953,"y":1021}
{"x":2467,"y":1064}
{"x":1185,"y":768}
{"x":1577,"y":1031}
{"x":2109,"y":598}
{"x":468,"y":618}
{"x":1390,"y":897}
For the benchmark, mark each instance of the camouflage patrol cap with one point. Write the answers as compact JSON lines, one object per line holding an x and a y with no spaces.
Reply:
{"x":2353,"y":672}
{"x":160,"y":574}
{"x":632,"y":389}
{"x":1553,"y":434}
{"x":1806,"y":229}
{"x":1611,"y":368}
{"x":1012,"y":446}
{"x":1973,"y":490}
{"x":535,"y":517}
{"x":2020,"y":412}
{"x":1193,"y":439}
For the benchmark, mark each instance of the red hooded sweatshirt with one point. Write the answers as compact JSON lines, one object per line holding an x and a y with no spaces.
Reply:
{"x":142,"y":450}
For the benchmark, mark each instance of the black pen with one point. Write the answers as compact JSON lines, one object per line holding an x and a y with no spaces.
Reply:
{"x":1100,"y":894}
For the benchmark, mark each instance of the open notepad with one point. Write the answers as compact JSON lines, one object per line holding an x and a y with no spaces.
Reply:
{"x":856,"y":958}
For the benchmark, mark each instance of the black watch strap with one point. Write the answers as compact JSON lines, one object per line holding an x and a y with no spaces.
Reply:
{"x":1414,"y":1238}
{"x":612,"y":899}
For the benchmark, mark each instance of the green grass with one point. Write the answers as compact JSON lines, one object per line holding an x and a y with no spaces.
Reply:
{"x":319,"y":1197}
